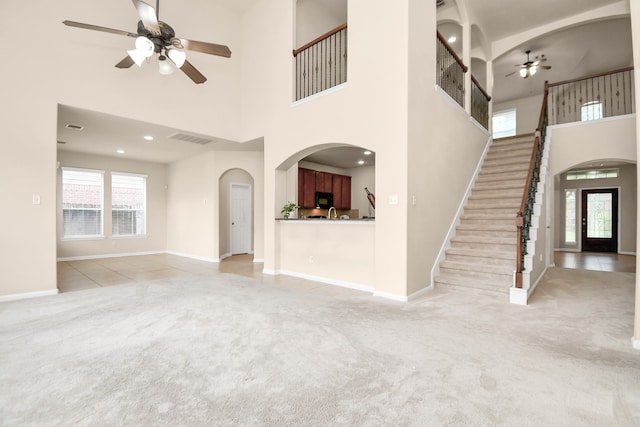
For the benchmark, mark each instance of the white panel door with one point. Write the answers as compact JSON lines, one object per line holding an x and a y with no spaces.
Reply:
{"x":240,"y":219}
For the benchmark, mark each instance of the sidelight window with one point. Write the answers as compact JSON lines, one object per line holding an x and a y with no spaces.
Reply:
{"x":570,"y":216}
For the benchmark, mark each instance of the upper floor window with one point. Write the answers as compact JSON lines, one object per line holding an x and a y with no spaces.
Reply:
{"x":591,"y":111}
{"x":82,"y":203}
{"x":128,"y":204}
{"x":504,"y":123}
{"x":592,"y":174}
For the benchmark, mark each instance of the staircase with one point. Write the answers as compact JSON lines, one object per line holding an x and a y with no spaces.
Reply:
{"x":482,"y":256}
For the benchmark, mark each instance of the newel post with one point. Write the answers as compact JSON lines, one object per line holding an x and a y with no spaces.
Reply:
{"x":519,"y":266}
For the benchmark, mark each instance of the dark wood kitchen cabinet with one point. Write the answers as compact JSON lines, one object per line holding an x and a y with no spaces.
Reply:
{"x":310,"y":181}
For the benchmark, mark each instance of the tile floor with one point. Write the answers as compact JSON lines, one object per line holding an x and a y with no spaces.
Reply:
{"x":596,"y":261}
{"x":95,"y":273}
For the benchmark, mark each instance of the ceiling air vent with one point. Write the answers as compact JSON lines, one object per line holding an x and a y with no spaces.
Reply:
{"x":190,"y":138}
{"x":74,"y":127}
{"x":439,"y":3}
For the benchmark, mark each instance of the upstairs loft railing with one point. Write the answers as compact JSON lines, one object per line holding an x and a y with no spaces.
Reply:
{"x":479,"y":103}
{"x":450,"y":78}
{"x":593,"y":97}
{"x":322,"y":63}
{"x":450,"y":70}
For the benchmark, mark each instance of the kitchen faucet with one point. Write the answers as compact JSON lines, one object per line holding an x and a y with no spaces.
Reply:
{"x":335,"y":213}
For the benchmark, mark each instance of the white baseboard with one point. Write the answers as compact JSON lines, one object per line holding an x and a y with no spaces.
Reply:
{"x":16,"y":297}
{"x":103,"y":256}
{"x":223,"y":256}
{"x":198,"y":258}
{"x":393,"y":297}
{"x":627,"y":253}
{"x":328,"y":281}
{"x":420,"y":293}
{"x":258,"y":260}
{"x":635,"y":343}
{"x":270,"y":272}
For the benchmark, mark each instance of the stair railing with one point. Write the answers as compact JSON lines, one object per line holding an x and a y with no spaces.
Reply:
{"x":479,"y":103}
{"x":322,"y":63}
{"x":523,"y":217}
{"x":450,"y":70}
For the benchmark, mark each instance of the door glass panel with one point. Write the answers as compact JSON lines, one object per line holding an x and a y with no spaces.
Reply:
{"x":599,"y":219}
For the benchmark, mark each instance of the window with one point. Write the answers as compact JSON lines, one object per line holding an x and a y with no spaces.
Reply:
{"x":504,"y":123}
{"x":570,"y":216}
{"x":591,"y":111}
{"x":592,"y":174}
{"x":128,"y":204}
{"x":82,"y":203}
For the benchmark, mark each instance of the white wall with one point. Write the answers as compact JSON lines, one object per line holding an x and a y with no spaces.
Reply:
{"x":527,"y":112}
{"x":156,"y":221}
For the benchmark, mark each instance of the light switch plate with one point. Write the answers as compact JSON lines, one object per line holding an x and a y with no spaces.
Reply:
{"x":35,"y":199}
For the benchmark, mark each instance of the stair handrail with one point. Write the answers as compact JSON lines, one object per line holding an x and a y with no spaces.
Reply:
{"x":319,"y":39}
{"x":523,"y":217}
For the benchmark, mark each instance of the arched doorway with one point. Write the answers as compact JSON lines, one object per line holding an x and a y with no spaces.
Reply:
{"x":236,"y":208}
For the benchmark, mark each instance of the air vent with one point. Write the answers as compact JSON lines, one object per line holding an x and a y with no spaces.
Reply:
{"x":439,"y":3}
{"x":190,"y":138}
{"x":61,"y":142}
{"x":74,"y":127}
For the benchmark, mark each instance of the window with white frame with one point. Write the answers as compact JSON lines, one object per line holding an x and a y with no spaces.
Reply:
{"x":128,"y":204}
{"x":591,"y":111}
{"x":504,"y":123}
{"x":570,"y":216}
{"x":82,"y":203}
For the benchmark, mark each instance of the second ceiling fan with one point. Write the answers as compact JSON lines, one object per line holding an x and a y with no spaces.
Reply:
{"x":154,"y":37}
{"x":530,"y":68}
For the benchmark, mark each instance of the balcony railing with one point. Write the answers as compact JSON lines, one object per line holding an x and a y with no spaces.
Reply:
{"x":450,"y":71}
{"x":479,"y":103}
{"x":322,"y":63}
{"x":592,"y":97}
{"x":450,"y":77}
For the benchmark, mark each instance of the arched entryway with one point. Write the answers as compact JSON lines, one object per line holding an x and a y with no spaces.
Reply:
{"x":236,"y":213}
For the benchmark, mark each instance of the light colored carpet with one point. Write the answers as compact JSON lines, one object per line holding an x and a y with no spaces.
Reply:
{"x":230,"y":350}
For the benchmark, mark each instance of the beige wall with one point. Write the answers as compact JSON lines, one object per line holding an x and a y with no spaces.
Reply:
{"x":84,"y":76}
{"x":314,"y":19}
{"x":194,"y":203}
{"x":527,"y":112}
{"x":156,"y":221}
{"x":360,"y":178}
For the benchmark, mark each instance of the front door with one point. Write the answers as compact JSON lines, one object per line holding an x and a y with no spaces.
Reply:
{"x":240,"y":219}
{"x":600,"y":220}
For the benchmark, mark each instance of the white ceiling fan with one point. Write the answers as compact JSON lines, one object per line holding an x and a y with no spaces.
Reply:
{"x":530,"y":68}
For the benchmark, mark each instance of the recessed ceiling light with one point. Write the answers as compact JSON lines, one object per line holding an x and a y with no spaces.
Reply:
{"x":361,"y":162}
{"x":120,"y":151}
{"x":148,"y":137}
{"x":452,"y":39}
{"x":367,"y":153}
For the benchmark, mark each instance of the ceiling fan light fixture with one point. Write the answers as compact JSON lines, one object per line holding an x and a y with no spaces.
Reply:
{"x":145,"y":46}
{"x":523,"y":73}
{"x":165,"y":67}
{"x":533,"y":70}
{"x":137,"y":56}
{"x":177,"y":56}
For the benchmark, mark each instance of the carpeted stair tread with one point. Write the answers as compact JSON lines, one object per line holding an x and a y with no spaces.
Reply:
{"x":493,"y":226}
{"x":473,"y":286}
{"x":486,"y":270}
{"x":481,"y":255}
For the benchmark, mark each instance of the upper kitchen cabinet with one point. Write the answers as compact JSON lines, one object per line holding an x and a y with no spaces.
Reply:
{"x":310,"y":182}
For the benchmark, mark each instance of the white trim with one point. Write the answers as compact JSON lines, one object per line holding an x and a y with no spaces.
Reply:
{"x":223,"y":256}
{"x":446,"y":244}
{"x":518,"y":296}
{"x":198,"y":258}
{"x":26,"y":295}
{"x":325,"y":92}
{"x":393,"y":297}
{"x":421,"y":292}
{"x":141,"y":175}
{"x":70,"y":168}
{"x":270,"y":272}
{"x":626,"y":253}
{"x":328,"y":281}
{"x":85,"y":257}
{"x":258,"y":260}
{"x":635,"y":343}
{"x":586,"y":122}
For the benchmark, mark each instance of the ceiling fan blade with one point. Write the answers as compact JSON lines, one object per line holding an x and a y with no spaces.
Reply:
{"x":511,"y":74}
{"x":204,"y":47}
{"x":193,"y":73}
{"x":544,"y":67}
{"x":125,"y":63}
{"x":148,"y":16}
{"x":99,"y":28}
